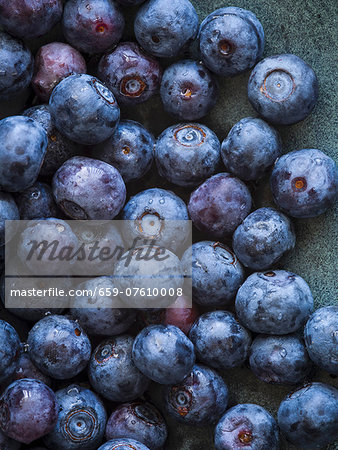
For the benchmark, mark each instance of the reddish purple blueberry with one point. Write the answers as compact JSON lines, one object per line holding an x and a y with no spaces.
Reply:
{"x":53,"y":62}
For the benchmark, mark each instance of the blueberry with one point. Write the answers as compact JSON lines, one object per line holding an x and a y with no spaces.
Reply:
{"x":182,"y":314}
{"x":86,"y":188}
{"x":152,"y":274}
{"x":7,"y":443}
{"x":59,"y":347}
{"x":231,"y":41}
{"x":41,"y":260}
{"x":103,"y":246}
{"x":131,"y":74}
{"x":101,"y":313}
{"x":308,"y":417}
{"x":14,"y":54}
{"x":219,"y":205}
{"x":187,"y":154}
{"x":28,"y":310}
{"x":140,"y":421}
{"x":84,"y":110}
{"x":92,"y":26}
{"x":25,"y":368}
{"x":8,"y":211}
{"x":36,"y":202}
{"x":28,"y":410}
{"x":59,"y":148}
{"x":200,"y":399}
{"x":9,"y":350}
{"x":30,"y":18}
{"x":263,"y":238}
{"x":220,"y":340}
{"x":280,"y":359}
{"x":23,"y":143}
{"x":81,"y":420}
{"x":304,"y":183}
{"x":53,"y":62}
{"x":165,"y":28}
{"x":112,"y":372}
{"x":274,"y":302}
{"x":129,"y":149}
{"x":283,"y":89}
{"x":156,"y":213}
{"x":163,"y":353}
{"x":251,"y":147}
{"x":188,"y":90}
{"x":216,"y":273}
{"x":247,"y":426}
{"x":123,"y":444}
{"x":320,"y":334}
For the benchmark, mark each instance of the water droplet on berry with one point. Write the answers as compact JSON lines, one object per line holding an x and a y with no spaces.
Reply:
{"x":283,"y":352}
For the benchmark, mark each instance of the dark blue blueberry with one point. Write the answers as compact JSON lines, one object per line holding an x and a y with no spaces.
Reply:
{"x":101,"y":313}
{"x":92,"y":26}
{"x":321,"y":337}
{"x":165,"y":28}
{"x":25,"y":368}
{"x":280,"y":359}
{"x":251,"y":147}
{"x":29,"y":18}
{"x":308,"y":417}
{"x":247,"y":426}
{"x":140,"y":421}
{"x":130,"y":149}
{"x":216,"y":273}
{"x":274,"y":302}
{"x":153,"y":275}
{"x":16,"y":66}
{"x":8,"y":211}
{"x":81,"y":420}
{"x":103,"y":246}
{"x":29,"y":310}
{"x":156,"y":213}
{"x":59,"y":148}
{"x":28,"y":410}
{"x":231,"y":40}
{"x":131,"y":74}
{"x":187,"y":154}
{"x":36,"y":202}
{"x":7,"y":443}
{"x":188,"y":89}
{"x":53,"y":62}
{"x":283,"y":89}
{"x":123,"y":444}
{"x":263,"y":238}
{"x":163,"y":353}
{"x":304,"y":183}
{"x":46,"y":260}
{"x":86,"y":188}
{"x":84,"y":110}
{"x":23,"y":144}
{"x":220,"y":340}
{"x":59,"y":347}
{"x":9,"y":350}
{"x":200,"y":399}
{"x":112,"y":372}
{"x":219,"y":205}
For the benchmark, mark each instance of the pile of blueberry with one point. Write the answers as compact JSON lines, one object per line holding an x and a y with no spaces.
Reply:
{"x":81,"y":379}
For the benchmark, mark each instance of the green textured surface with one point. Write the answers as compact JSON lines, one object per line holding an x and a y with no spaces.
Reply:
{"x":308,"y":29}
